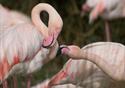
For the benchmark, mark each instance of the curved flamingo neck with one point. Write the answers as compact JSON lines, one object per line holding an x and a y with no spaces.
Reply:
{"x":108,"y":68}
{"x":35,"y":16}
{"x":53,"y":16}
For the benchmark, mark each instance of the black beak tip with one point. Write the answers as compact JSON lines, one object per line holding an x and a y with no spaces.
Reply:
{"x":60,"y":49}
{"x":45,"y":46}
{"x":51,"y":44}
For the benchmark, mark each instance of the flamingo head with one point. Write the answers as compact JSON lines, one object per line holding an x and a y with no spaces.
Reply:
{"x":48,"y":41}
{"x":71,"y":51}
{"x":53,"y":33}
{"x":55,"y":23}
{"x":92,"y":3}
{"x":85,"y":8}
{"x":89,"y":5}
{"x":54,"y":28}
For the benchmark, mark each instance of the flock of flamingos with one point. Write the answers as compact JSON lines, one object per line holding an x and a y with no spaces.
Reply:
{"x":26,"y":45}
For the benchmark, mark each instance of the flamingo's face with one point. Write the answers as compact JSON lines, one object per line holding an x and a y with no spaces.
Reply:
{"x":89,"y":5}
{"x":48,"y":41}
{"x":71,"y":51}
{"x":54,"y":31}
{"x":92,"y":3}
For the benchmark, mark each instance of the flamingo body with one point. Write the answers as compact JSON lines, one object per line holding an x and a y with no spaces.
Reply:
{"x":108,"y":56}
{"x":87,"y":74}
{"x":21,"y":44}
{"x":18,"y":51}
{"x":11,"y":17}
{"x":107,"y":9}
{"x":83,"y":73}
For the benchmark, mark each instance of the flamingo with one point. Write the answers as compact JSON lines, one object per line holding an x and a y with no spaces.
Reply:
{"x":27,"y":68}
{"x":45,"y":83}
{"x":107,"y":9}
{"x":87,"y":74}
{"x":41,"y":58}
{"x":11,"y":17}
{"x":38,"y":61}
{"x":28,"y":39}
{"x":82,"y":73}
{"x":108,"y":56}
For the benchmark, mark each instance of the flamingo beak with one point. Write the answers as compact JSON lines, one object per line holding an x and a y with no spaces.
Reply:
{"x":48,"y":42}
{"x":62,"y":49}
{"x":51,"y":39}
{"x":86,"y":8}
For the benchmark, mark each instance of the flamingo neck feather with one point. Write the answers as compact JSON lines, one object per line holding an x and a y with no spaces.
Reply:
{"x":53,"y":17}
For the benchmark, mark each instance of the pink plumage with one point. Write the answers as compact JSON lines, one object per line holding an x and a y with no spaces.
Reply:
{"x":107,"y":9}
{"x":107,"y":56}
{"x":21,"y":44}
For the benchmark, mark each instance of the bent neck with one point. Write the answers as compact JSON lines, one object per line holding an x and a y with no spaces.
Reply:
{"x":101,"y":62}
{"x":35,"y":15}
{"x":53,"y":16}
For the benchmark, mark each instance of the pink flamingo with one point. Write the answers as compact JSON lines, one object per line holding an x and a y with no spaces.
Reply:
{"x":27,"y":39}
{"x":84,"y":73}
{"x":11,"y":17}
{"x":108,"y":56}
{"x":41,"y":58}
{"x":107,"y":9}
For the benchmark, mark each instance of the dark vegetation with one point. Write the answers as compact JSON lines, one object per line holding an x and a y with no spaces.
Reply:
{"x":76,"y":30}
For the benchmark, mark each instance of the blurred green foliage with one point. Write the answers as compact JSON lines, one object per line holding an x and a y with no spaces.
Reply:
{"x":76,"y":30}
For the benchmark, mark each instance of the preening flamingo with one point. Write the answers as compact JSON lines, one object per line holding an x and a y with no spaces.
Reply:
{"x":27,"y":68}
{"x":21,"y":43}
{"x":45,"y":83}
{"x":108,"y":56}
{"x":107,"y":9}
